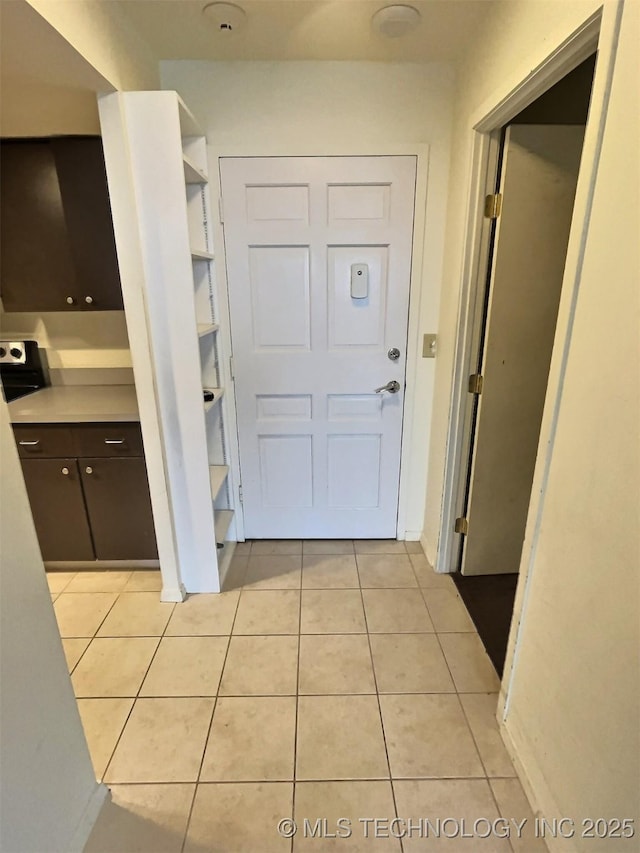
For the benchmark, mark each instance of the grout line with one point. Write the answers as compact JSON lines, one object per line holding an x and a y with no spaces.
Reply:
{"x":213,"y":711}
{"x":292,"y":694}
{"x":322,"y":779}
{"x":135,"y":699}
{"x":464,"y":713}
{"x":325,"y":693}
{"x":295,"y":730}
{"x":75,"y":666}
{"x":375,"y":681}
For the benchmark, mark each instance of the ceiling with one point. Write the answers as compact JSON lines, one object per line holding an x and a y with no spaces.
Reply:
{"x":49,"y":88}
{"x":304,"y":30}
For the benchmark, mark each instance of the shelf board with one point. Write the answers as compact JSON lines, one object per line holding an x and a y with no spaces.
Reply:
{"x":201,"y":255}
{"x":207,"y":329}
{"x":218,"y":395}
{"x":223,"y":518}
{"x":192,"y":174}
{"x":217,"y":476}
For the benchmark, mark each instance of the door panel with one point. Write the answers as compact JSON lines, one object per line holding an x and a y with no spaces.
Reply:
{"x":280,"y":298}
{"x":357,"y":322}
{"x":87,"y":210}
{"x":539,"y":177}
{"x":58,"y":508}
{"x":119,"y":508}
{"x":319,"y":449}
{"x":37,"y":264}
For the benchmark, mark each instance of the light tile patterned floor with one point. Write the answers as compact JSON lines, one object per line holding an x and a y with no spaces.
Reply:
{"x":330,"y":680}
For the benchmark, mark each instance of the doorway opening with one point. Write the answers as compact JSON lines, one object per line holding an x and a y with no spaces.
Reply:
{"x":532,"y":179}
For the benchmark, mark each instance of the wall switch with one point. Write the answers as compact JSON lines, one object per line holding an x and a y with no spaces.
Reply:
{"x":429,"y":346}
{"x":359,"y":281}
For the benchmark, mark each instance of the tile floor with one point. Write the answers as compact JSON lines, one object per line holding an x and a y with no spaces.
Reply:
{"x":330,"y":680}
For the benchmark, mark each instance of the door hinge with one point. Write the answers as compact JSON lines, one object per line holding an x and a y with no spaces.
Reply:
{"x":240,"y":494}
{"x":233,"y":376}
{"x":221,"y":209}
{"x":493,"y":206}
{"x":476,"y":381}
{"x":461,"y":526}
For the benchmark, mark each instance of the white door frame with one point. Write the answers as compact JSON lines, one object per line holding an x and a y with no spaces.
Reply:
{"x":412,"y":437}
{"x":599,"y":31}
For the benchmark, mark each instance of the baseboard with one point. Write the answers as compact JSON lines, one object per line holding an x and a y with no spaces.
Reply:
{"x":428,"y":550}
{"x":100,"y":796}
{"x":225,"y":562}
{"x":99,"y":565}
{"x":175,"y":594}
{"x":534,"y":785}
{"x":412,"y":535}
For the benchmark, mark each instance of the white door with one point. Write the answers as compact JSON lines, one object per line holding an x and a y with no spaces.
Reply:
{"x":318,"y":263}
{"x":538,"y":185}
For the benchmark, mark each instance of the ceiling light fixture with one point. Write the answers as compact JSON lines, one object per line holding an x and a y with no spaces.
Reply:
{"x":395,"y":21}
{"x":228,"y":17}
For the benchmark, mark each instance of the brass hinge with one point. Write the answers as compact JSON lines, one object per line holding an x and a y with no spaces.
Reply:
{"x":476,"y":381}
{"x":461,"y":526}
{"x":492,"y":206}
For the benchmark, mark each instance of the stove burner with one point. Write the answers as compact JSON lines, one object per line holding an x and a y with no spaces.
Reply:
{"x":22,"y":368}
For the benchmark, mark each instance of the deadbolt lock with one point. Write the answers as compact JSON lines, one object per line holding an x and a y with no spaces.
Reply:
{"x":394,"y":353}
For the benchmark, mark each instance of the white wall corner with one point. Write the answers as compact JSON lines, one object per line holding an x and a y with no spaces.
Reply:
{"x":100,"y":798}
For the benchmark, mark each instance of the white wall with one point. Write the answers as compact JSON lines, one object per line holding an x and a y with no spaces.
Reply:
{"x":572,"y":711}
{"x":333,"y":108}
{"x":516,"y":37}
{"x":73,"y":339}
{"x":49,"y":796}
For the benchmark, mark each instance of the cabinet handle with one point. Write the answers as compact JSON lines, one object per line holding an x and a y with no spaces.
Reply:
{"x":65,"y":471}
{"x":71,"y":300}
{"x":114,"y":441}
{"x":89,"y":469}
{"x":29,"y":443}
{"x":89,"y":300}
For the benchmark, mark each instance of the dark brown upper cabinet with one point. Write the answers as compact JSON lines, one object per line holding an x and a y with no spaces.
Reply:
{"x":56,"y":232}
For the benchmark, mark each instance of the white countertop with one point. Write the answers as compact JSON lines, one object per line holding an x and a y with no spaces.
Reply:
{"x":76,"y":404}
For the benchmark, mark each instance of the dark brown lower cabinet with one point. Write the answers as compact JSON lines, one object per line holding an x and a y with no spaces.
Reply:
{"x":119,"y":508}
{"x":96,"y":505}
{"x":55,"y":494}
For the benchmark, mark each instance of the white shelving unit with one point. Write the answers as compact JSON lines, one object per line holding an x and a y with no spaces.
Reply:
{"x":201,"y":255}
{"x":217,"y":477}
{"x":217,"y":396}
{"x":207,"y":329}
{"x":195,"y":166}
{"x":157,"y":170}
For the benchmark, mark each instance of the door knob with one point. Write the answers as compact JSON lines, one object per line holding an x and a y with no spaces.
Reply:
{"x":392,"y":387}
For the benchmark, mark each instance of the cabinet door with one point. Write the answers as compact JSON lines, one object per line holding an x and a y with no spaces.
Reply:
{"x":37,"y":272}
{"x":85,"y":199}
{"x":58,"y":509}
{"x":119,"y":508}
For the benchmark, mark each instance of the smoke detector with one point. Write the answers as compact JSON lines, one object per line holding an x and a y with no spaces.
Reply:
{"x":395,"y":21}
{"x":227,"y":17}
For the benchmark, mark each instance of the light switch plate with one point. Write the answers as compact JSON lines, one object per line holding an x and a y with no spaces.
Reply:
{"x":429,"y":346}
